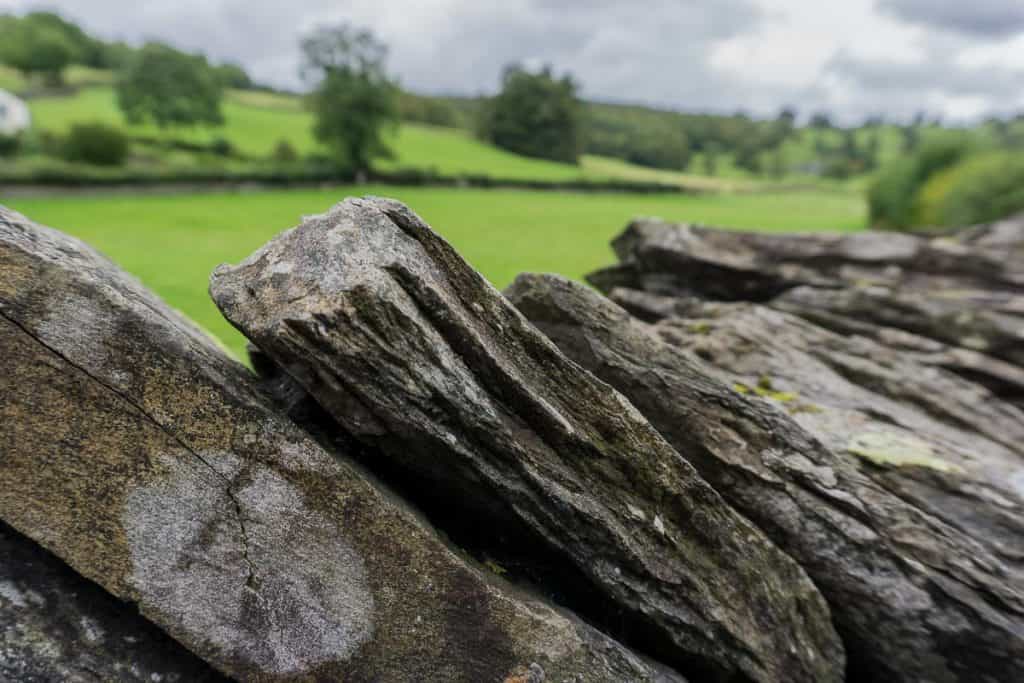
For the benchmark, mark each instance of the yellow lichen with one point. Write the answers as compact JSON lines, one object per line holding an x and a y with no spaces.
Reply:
{"x":494,"y":567}
{"x":764,"y":390}
{"x":897,"y":450}
{"x":700,"y":327}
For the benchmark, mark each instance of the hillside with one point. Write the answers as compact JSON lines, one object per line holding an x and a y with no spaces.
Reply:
{"x":256,"y":122}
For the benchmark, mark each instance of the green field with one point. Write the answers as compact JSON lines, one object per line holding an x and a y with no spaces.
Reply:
{"x":172,"y":242}
{"x":255,"y":122}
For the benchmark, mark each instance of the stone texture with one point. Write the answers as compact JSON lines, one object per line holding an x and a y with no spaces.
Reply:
{"x":56,"y":626}
{"x":896,"y":486}
{"x":151,"y":464}
{"x":414,"y":354}
{"x":957,"y":300}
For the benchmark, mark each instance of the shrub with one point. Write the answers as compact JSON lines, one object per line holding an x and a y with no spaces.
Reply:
{"x":284,"y":152}
{"x":9,"y":145}
{"x":983,"y":188}
{"x":96,"y":143}
{"x":892,"y":196}
{"x":222,"y":147}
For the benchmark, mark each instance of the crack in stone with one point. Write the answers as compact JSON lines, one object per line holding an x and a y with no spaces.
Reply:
{"x":252,"y":580}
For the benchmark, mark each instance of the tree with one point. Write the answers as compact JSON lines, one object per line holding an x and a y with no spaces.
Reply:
{"x":170,"y":88}
{"x":37,"y":44}
{"x":711,"y":159}
{"x":748,"y":157}
{"x":233,"y":76}
{"x":536,"y":115}
{"x":821,"y":121}
{"x":354,"y":100}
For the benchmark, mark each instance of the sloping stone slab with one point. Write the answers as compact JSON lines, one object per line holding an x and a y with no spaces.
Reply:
{"x":917,"y":549}
{"x":413,"y":352}
{"x":139,"y":454}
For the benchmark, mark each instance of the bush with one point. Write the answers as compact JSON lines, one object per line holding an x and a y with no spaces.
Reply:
{"x":222,"y":147}
{"x":284,"y":152}
{"x":9,"y":145}
{"x":982,"y":188}
{"x":96,"y":143}
{"x":892,"y":196}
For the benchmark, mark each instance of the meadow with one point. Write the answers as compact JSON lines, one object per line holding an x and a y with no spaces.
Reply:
{"x":173,"y":242}
{"x":256,"y":122}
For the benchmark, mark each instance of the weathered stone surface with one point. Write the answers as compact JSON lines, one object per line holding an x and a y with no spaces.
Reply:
{"x":56,"y":626}
{"x":961,"y":294}
{"x":911,"y":527}
{"x":150,"y":463}
{"x":680,"y":259}
{"x":414,"y":353}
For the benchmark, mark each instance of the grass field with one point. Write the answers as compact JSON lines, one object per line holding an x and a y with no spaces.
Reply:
{"x":256,"y":121}
{"x":172,"y":242}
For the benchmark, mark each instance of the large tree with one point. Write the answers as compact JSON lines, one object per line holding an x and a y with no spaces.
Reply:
{"x":169,"y":88}
{"x":535,"y":114}
{"x":39,"y":43}
{"x":353,"y":98}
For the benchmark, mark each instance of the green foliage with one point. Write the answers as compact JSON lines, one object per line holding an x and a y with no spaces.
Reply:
{"x":284,"y":152}
{"x":536,"y":115}
{"x":9,"y":145}
{"x":96,"y":143}
{"x":222,"y":147}
{"x":892,"y":195}
{"x":432,"y":111}
{"x":354,"y":100}
{"x":169,"y":88}
{"x":982,"y":188}
{"x":39,"y":43}
{"x":640,"y":136}
{"x":232,"y":76}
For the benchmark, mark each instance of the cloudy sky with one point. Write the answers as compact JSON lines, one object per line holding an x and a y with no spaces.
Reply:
{"x":958,"y":58}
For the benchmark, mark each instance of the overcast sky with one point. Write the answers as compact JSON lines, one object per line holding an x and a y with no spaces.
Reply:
{"x":958,"y":58}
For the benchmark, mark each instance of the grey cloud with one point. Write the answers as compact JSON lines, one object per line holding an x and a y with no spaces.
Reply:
{"x":902,"y":89}
{"x":646,"y":51}
{"x":979,"y":18}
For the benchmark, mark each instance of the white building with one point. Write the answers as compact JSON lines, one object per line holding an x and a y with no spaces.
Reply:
{"x":14,"y":114}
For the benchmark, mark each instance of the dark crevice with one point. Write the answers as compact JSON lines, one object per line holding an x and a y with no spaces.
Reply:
{"x":251,"y":580}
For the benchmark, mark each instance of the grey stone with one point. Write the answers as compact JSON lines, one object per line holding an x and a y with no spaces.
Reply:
{"x":907,"y":514}
{"x":150,"y":463}
{"x":416,"y":355}
{"x":55,"y":626}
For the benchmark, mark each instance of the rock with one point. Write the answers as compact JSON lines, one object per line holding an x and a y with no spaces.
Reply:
{"x":56,"y":626}
{"x":900,"y":491}
{"x":417,"y":356}
{"x":682,"y":259}
{"x":151,"y":464}
{"x":962,"y":293}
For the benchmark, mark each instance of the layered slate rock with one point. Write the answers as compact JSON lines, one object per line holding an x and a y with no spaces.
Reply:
{"x":957,"y":299}
{"x":141,"y":456}
{"x":907,"y":514}
{"x":415,"y":354}
{"x":56,"y":626}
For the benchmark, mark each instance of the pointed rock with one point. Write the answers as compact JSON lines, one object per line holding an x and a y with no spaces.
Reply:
{"x":145,"y":459}
{"x":414,"y":353}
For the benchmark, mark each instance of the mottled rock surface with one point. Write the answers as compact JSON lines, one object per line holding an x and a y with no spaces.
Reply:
{"x":56,"y":626}
{"x":415,"y":354}
{"x":150,"y":463}
{"x":957,"y":300}
{"x":911,"y":527}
